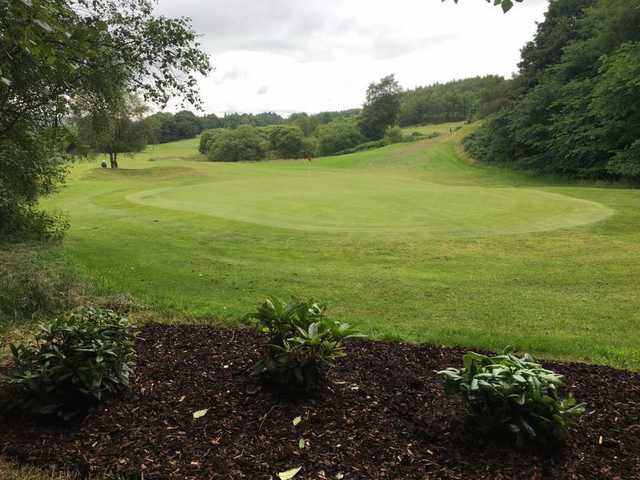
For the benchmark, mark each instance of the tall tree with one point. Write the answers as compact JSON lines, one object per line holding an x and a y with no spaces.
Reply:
{"x":577,"y":114}
{"x":114,"y":129}
{"x":52,"y":52}
{"x":381,"y":108}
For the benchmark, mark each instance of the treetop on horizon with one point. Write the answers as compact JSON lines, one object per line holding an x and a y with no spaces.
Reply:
{"x":505,"y":4}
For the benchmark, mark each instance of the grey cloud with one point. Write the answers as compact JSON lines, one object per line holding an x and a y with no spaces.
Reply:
{"x":304,"y":30}
{"x":263,"y":90}
{"x":230,"y":75}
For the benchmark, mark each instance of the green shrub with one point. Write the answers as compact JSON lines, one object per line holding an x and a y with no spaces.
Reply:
{"x":287,"y":141}
{"x":302,"y":342}
{"x":234,"y":145}
{"x":338,"y":136}
{"x":72,"y":362}
{"x":626,"y":162}
{"x":207,"y":138}
{"x":512,"y":395}
{"x":393,"y":135}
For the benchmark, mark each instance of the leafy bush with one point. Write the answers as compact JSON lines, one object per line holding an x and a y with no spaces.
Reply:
{"x":626,"y":162}
{"x":73,"y":361}
{"x":338,"y":136}
{"x":302,"y":343}
{"x":287,"y":141}
{"x":233,"y":145}
{"x":512,"y":395}
{"x":207,"y":138}
{"x":393,"y":135}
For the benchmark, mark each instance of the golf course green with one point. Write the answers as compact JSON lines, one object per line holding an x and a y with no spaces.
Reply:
{"x":410,"y":241}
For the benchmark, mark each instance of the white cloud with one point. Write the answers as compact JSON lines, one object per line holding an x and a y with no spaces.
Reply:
{"x":290,"y":55}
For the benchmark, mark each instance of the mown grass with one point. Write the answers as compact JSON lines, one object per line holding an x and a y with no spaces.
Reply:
{"x":408,"y":241}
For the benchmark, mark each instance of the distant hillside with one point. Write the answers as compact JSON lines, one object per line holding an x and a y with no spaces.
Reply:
{"x":454,"y":101}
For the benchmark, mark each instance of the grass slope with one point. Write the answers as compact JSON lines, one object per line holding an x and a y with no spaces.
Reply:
{"x":409,"y":241}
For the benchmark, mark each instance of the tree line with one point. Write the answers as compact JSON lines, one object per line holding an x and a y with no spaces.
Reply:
{"x":454,"y":101}
{"x":575,"y":108}
{"x":304,"y":135}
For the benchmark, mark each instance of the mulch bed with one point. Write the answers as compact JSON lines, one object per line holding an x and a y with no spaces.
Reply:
{"x":382,"y":415}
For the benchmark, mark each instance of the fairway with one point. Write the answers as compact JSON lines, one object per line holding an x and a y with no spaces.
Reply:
{"x":408,"y":241}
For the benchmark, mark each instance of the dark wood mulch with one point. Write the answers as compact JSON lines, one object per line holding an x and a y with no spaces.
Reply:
{"x":383,"y":415}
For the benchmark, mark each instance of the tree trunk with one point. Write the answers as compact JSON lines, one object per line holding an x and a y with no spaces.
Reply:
{"x":113,"y":159}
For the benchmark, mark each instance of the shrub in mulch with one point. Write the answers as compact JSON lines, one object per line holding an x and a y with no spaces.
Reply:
{"x":71,"y":363}
{"x":302,"y":343}
{"x":383,"y":414}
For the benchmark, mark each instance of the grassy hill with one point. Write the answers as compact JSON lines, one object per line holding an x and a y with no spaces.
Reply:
{"x":409,"y":241}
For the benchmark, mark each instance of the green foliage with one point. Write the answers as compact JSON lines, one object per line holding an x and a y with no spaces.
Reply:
{"x":112,"y":127}
{"x":234,"y":145}
{"x":53,"y":52}
{"x":207,"y":138}
{"x":626,"y":163}
{"x":576,"y":112}
{"x":302,"y":343}
{"x":307,"y":123}
{"x":83,"y":357}
{"x":287,"y":141}
{"x":337,"y":137}
{"x":512,"y":395}
{"x":453,"y":101}
{"x":393,"y":135}
{"x":506,"y":5}
{"x":381,"y":108}
{"x":31,"y":165}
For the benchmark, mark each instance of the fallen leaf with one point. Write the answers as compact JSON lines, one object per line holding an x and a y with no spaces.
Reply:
{"x":289,"y":474}
{"x":200,"y":413}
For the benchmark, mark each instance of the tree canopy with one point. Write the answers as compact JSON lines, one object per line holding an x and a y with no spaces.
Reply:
{"x":577,"y":111}
{"x":381,"y":107}
{"x":54,"y":51}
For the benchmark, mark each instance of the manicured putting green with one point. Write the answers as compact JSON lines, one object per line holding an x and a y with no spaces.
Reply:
{"x":337,"y":201}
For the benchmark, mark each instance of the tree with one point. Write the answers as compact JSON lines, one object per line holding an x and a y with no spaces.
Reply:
{"x":287,"y":141}
{"x":154,"y":125}
{"x":576,"y":113}
{"x":210,"y":121}
{"x":337,"y":136}
{"x":114,"y":130}
{"x":615,"y":103}
{"x":308,"y":124}
{"x":186,"y":124}
{"x":506,"y":5}
{"x":381,"y":108}
{"x":54,"y":51}
{"x":237,"y":144}
{"x":207,"y":138}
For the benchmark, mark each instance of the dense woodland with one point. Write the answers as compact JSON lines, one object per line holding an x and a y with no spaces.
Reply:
{"x":575,"y":111}
{"x":454,"y":101}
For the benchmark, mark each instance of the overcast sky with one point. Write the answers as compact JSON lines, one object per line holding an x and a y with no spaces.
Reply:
{"x":316,"y":55}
